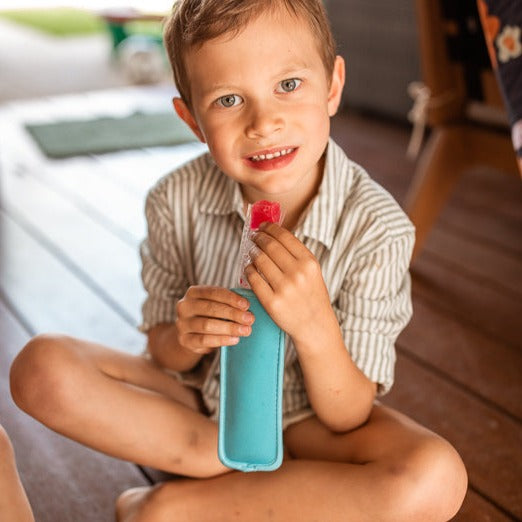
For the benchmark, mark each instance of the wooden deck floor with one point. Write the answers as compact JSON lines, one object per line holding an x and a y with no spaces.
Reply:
{"x":69,"y":232}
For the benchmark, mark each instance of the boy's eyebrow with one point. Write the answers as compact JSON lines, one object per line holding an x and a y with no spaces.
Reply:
{"x":222,"y":87}
{"x":293,"y":68}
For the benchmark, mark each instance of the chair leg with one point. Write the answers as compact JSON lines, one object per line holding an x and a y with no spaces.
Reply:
{"x":441,"y":165}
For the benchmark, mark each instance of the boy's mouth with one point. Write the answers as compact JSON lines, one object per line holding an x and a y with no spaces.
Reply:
{"x":272,"y":158}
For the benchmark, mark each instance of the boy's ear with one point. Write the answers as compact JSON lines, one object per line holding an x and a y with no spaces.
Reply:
{"x":336,"y":86}
{"x":184,"y":113}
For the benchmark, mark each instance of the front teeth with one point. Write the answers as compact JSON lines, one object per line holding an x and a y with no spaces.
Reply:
{"x":262,"y":157}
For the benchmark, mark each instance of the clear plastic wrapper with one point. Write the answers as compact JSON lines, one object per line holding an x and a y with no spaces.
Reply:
{"x":257,"y":213}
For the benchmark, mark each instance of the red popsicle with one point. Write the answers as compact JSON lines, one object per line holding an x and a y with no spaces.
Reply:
{"x":263,"y":211}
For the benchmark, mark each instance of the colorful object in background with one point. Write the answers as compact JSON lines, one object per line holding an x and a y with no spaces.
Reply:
{"x":137,"y":43}
{"x":57,"y":21}
{"x":502,"y":24}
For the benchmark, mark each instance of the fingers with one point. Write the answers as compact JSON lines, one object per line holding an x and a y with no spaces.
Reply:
{"x":217,"y":294}
{"x":283,"y":237}
{"x":209,"y":326}
{"x":259,"y":284}
{"x":204,"y":343}
{"x":210,"y":317}
{"x":277,"y":254}
{"x":206,"y":308}
{"x":270,"y":256}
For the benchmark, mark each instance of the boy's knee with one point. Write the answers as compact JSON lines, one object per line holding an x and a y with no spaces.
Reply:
{"x":430,"y":484}
{"x":39,"y":374}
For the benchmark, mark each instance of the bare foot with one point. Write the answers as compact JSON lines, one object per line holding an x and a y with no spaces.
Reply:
{"x":129,"y":506}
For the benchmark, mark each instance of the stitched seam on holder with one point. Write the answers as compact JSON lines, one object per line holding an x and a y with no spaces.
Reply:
{"x":278,"y":395}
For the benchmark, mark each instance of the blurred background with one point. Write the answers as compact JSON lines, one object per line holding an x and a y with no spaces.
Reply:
{"x":50,"y":47}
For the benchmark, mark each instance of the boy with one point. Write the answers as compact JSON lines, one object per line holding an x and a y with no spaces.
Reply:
{"x":258,"y":81}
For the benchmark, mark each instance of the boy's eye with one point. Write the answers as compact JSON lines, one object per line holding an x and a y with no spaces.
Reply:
{"x":289,"y":85}
{"x":230,"y":100}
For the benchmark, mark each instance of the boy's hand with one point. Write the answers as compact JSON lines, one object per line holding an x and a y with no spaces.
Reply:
{"x":287,"y":279}
{"x":209,"y":317}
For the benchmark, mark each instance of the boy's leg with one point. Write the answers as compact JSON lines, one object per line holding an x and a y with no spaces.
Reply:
{"x":389,"y":469}
{"x":14,"y":506}
{"x":119,"y":404}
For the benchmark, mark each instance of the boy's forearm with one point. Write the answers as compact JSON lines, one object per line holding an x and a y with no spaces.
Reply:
{"x":163,"y":345}
{"x":340,"y":394}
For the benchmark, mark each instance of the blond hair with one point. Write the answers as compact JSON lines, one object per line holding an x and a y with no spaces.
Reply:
{"x":194,"y":22}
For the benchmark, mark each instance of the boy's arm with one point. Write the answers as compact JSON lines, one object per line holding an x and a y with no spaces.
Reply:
{"x":163,"y":346}
{"x":289,"y":283}
{"x":339,"y":392}
{"x":207,"y":317}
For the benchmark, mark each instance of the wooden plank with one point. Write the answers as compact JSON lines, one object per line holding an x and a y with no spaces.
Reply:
{"x":52,"y":298}
{"x":487,"y":227}
{"x":111,"y":188}
{"x":63,"y":480}
{"x":477,"y":509}
{"x":139,"y":170}
{"x":489,"y":189}
{"x":82,"y":178}
{"x":489,"y":442}
{"x":474,"y":301}
{"x":111,"y":204}
{"x":480,"y":364}
{"x":481,"y":261}
{"x":110,"y":263}
{"x":117,"y":102}
{"x":487,"y":207}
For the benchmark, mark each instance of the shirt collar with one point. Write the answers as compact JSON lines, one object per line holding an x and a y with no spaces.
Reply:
{"x":320,"y":221}
{"x":221,"y":195}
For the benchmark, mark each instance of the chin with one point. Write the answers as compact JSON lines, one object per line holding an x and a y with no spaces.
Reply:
{"x":276,"y":189}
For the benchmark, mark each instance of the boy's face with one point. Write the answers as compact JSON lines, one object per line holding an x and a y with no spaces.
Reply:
{"x":262,"y":102}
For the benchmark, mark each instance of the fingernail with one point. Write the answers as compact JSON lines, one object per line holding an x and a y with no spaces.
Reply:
{"x":254,"y":251}
{"x":243,"y":303}
{"x":248,"y":317}
{"x":244,"y":330}
{"x":234,"y":340}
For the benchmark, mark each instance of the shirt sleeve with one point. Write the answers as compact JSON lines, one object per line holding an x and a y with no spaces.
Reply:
{"x":162,"y":271}
{"x":373,"y":307}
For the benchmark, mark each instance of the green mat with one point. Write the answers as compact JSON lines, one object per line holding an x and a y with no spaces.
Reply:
{"x":76,"y":138}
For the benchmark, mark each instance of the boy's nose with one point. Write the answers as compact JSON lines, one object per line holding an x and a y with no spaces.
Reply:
{"x":263,"y":122}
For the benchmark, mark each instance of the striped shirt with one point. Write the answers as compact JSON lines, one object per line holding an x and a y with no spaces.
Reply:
{"x":355,"y":229}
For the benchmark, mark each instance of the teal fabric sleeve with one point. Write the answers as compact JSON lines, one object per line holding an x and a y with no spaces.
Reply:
{"x":251,"y":393}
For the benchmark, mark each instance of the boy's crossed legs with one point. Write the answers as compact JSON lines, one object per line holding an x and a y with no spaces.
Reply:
{"x":389,"y":469}
{"x":122,"y":405}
